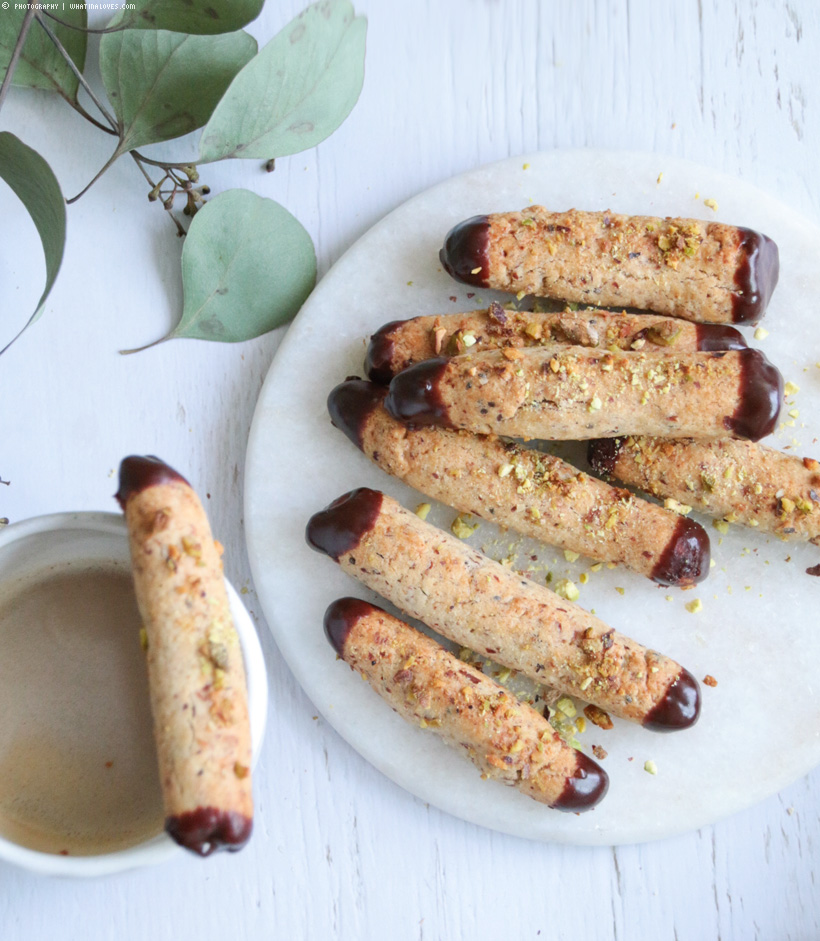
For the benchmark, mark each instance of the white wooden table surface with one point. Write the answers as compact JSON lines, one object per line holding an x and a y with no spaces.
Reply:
{"x":339,"y":851}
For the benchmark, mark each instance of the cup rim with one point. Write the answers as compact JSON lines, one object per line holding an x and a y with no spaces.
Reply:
{"x":161,"y":847}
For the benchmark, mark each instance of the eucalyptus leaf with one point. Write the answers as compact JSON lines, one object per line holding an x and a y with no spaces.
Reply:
{"x":296,"y":92}
{"x":41,"y":65}
{"x":34,"y":183}
{"x":162,"y":84}
{"x":190,"y":16}
{"x":247,"y":266}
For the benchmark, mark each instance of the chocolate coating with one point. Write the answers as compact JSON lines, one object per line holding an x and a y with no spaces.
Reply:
{"x":761,"y":397}
{"x":340,"y":618}
{"x":685,"y":560}
{"x":379,"y":357}
{"x":465,"y":249}
{"x":602,"y":454}
{"x":414,"y":395}
{"x":756,"y":276}
{"x":339,"y":528}
{"x":716,"y":336}
{"x":679,"y":708}
{"x":350,"y":403}
{"x":209,"y":829}
{"x":585,"y":788}
{"x":138,"y":473}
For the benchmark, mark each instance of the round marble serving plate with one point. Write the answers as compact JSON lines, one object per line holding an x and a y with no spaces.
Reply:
{"x":756,"y":632}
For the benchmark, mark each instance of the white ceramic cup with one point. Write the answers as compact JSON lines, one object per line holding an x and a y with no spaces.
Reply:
{"x":55,"y":541}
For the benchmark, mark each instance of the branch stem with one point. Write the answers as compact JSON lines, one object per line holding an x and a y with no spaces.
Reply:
{"x":80,"y":77}
{"x":88,"y":186}
{"x":16,"y":53}
{"x":161,"y":163}
{"x":85,"y":29}
{"x":81,"y":110}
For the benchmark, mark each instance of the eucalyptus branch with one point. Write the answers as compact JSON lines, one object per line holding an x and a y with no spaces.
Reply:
{"x":185,"y":167}
{"x":80,"y":77}
{"x":16,"y":53}
{"x":85,"y":29}
{"x":155,"y":190}
{"x":215,"y":81}
{"x":81,"y":110}
{"x":96,"y":177}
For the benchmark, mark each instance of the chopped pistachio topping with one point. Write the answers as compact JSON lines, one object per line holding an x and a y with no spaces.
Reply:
{"x":693,"y":607}
{"x":567,"y":706}
{"x":423,"y":510}
{"x":790,"y":389}
{"x":676,"y":507}
{"x":711,"y":204}
{"x":650,"y":767}
{"x":567,"y":589}
{"x":761,"y":333}
{"x":571,"y":556}
{"x":721,"y":526}
{"x":461,"y":528}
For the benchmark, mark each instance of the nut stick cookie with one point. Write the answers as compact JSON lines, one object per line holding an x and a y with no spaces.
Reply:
{"x":573,"y":393}
{"x":531,"y":492}
{"x":738,"y":481}
{"x":700,"y":271}
{"x":400,"y":344}
{"x":506,"y":739}
{"x":474,"y":601}
{"x":195,"y":669}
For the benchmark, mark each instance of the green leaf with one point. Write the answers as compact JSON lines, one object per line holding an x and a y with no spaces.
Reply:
{"x":247,"y":266}
{"x":33,"y":181}
{"x":296,"y":92}
{"x":190,"y":16}
{"x":162,"y":85}
{"x":41,"y":65}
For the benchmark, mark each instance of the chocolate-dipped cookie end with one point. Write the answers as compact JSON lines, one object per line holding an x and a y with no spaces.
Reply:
{"x":351,"y":403}
{"x":339,"y":528}
{"x":602,"y":455}
{"x":378,"y":361}
{"x":586,"y":788}
{"x":138,"y":473}
{"x":760,"y":397}
{"x":685,"y":560}
{"x":679,"y":708}
{"x":465,"y":255}
{"x":207,"y":830}
{"x":340,"y":618}
{"x":756,"y":276}
{"x":414,"y":395}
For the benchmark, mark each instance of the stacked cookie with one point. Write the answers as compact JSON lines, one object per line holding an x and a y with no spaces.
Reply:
{"x":449,"y":401}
